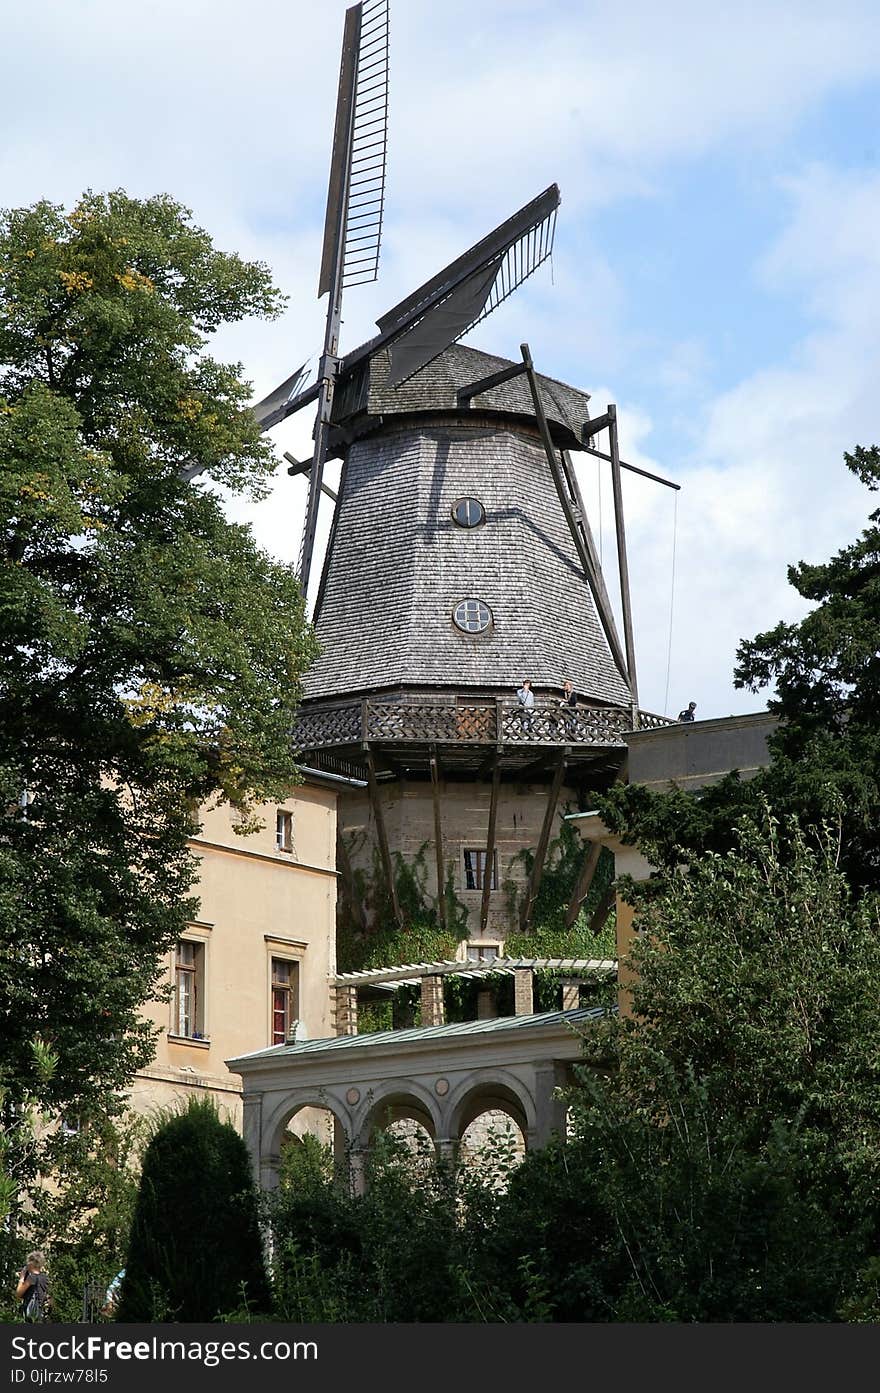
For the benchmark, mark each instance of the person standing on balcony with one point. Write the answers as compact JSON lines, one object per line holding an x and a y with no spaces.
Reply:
{"x":526,"y":698}
{"x":568,"y":709}
{"x":688,"y":713}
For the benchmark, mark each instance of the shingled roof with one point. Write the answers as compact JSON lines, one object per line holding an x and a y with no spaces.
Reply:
{"x":398,"y":565}
{"x":367,"y":393}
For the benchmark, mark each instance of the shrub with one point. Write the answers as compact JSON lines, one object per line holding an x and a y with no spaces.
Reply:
{"x":195,"y":1250}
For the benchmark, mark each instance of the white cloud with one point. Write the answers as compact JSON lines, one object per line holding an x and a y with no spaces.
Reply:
{"x":230,"y":110}
{"x":764,"y":482}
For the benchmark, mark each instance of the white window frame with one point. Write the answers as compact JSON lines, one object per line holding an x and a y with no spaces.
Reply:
{"x":199,"y":936}
{"x":284,"y":830}
{"x":467,"y":945}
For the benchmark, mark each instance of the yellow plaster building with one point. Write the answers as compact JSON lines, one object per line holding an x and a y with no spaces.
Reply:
{"x":256,"y":964}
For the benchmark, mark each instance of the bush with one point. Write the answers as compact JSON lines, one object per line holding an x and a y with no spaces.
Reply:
{"x":195,"y":1251}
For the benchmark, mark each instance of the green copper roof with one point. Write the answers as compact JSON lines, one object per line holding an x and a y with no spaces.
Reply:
{"x":497,"y":1026}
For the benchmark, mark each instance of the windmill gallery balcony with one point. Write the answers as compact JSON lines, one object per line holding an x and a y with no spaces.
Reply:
{"x":499,"y":723}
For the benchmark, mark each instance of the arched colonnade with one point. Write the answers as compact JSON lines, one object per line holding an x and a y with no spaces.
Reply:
{"x":442,"y":1078}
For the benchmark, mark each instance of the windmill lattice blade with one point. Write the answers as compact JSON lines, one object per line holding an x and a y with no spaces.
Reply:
{"x":356,"y":192}
{"x":275,"y":402}
{"x":442,"y":311}
{"x":446,"y":323}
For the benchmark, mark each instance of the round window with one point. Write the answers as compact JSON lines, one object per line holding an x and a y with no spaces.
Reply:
{"x":467,"y":512}
{"x":472,"y":616}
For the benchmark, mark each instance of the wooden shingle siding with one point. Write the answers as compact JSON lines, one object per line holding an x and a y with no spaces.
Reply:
{"x":434,"y":389}
{"x":398,"y":565}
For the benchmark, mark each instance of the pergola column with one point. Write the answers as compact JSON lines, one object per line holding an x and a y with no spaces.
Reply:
{"x":550,"y":1111}
{"x":345,"y":1009}
{"x":571,"y":996}
{"x":523,"y":991}
{"x":433,"y":1012}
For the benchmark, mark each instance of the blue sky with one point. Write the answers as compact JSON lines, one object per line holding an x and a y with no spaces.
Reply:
{"x":717,"y":265}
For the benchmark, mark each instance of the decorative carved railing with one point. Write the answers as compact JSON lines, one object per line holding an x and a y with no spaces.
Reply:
{"x":554,"y":725}
{"x":444,"y":723}
{"x":328,"y":725}
{"x":649,"y":721}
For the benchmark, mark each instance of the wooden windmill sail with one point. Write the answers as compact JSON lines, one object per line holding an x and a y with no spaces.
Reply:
{"x":432,"y":317}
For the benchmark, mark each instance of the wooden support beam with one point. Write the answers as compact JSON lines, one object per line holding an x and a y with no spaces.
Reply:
{"x":598,"y":423}
{"x":384,"y":852}
{"x":588,"y":870}
{"x":584,"y":882}
{"x":490,"y":846}
{"x":488,"y":764}
{"x":438,"y":841}
{"x":387,"y":764}
{"x":485,"y":384}
{"x":304,"y":467}
{"x":543,"y":764}
{"x":634,"y":469}
{"x":602,"y":910}
{"x":622,"y":565}
{"x":574,"y":528}
{"x":597,"y":579}
{"x":543,"y":843}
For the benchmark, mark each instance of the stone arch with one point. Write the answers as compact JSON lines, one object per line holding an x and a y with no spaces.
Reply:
{"x":391,"y":1101}
{"x":275,"y":1123}
{"x":486,"y":1091}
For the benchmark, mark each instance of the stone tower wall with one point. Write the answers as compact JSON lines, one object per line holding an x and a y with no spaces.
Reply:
{"x":408,"y":811}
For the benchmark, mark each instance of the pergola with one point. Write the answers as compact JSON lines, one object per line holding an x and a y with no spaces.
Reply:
{"x":442,"y":1077}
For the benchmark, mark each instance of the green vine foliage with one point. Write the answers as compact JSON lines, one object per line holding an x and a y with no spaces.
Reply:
{"x":548,"y":936}
{"x":368,"y":903}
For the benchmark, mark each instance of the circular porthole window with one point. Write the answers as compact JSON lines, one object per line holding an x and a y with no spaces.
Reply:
{"x":467,"y":512}
{"x":472,"y":616}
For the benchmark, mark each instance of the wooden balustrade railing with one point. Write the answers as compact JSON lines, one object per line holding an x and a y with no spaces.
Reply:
{"x":434,"y":722}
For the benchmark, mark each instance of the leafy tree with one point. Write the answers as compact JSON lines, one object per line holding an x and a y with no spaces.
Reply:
{"x":725,"y":1163}
{"x":150,"y":653}
{"x":195,"y":1251}
{"x":405,"y":1250}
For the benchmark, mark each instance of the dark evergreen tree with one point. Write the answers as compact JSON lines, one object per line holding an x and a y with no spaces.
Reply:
{"x":826,"y":752}
{"x":195,"y":1252}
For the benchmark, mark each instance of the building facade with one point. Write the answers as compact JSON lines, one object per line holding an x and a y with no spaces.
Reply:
{"x":259,"y":957}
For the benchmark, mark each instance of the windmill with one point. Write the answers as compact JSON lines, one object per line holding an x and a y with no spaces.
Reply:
{"x":460,"y":555}
{"x":438,"y":313}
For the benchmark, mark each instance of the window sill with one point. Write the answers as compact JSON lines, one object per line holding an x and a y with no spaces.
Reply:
{"x":190,"y":1041}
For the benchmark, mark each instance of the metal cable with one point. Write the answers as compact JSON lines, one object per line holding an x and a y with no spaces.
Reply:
{"x":671,"y":605}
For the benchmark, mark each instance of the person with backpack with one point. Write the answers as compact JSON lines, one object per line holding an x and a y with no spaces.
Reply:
{"x":33,"y":1289}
